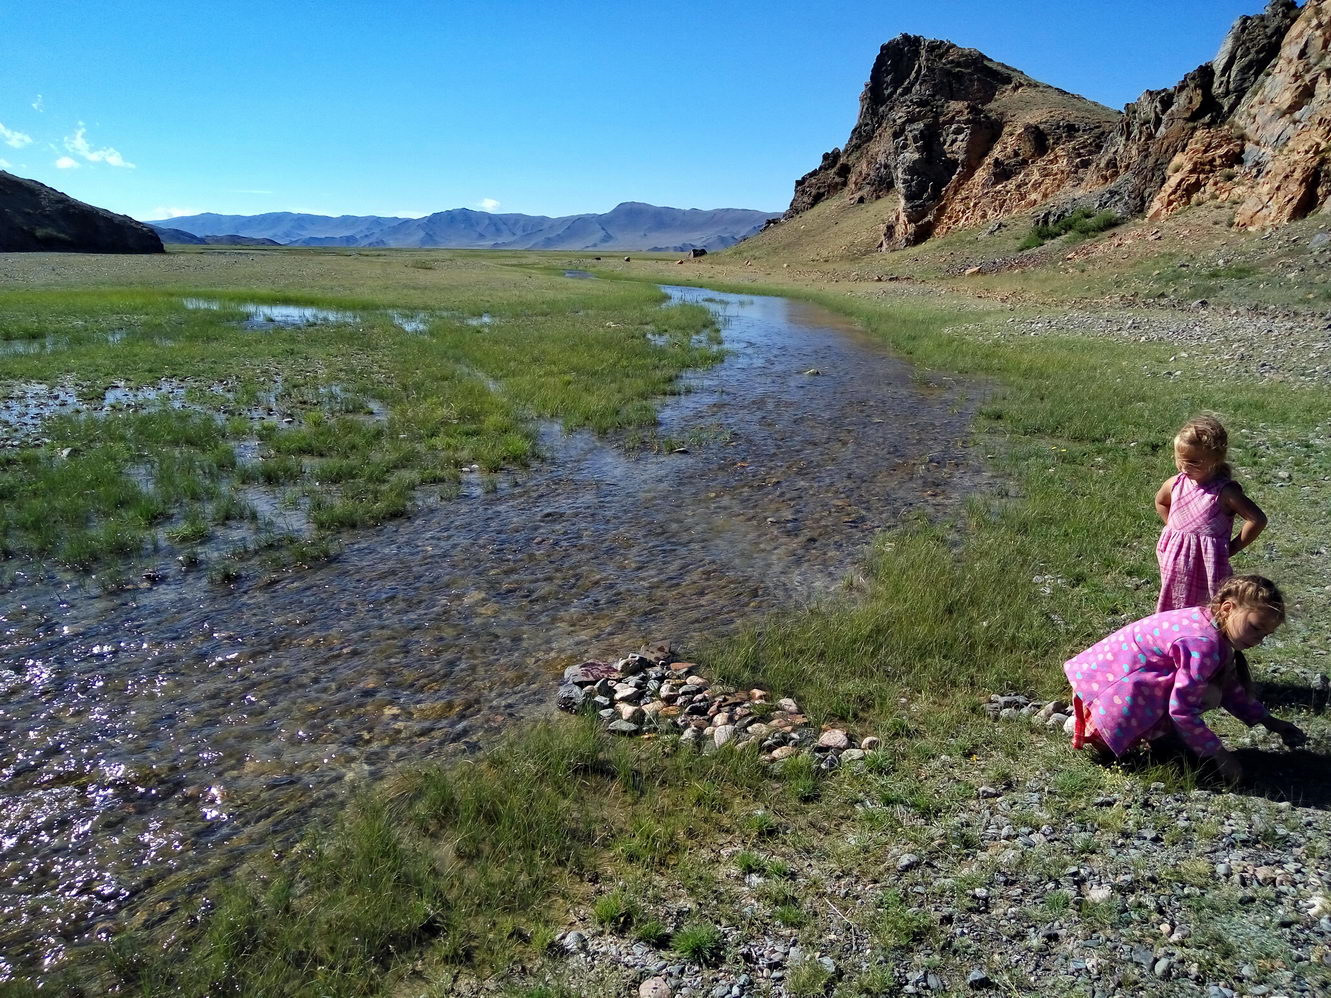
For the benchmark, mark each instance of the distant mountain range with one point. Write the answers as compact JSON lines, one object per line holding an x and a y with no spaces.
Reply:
{"x":628,"y":226}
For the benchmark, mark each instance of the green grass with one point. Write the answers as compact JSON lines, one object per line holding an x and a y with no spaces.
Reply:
{"x":807,"y":978}
{"x":653,"y":933}
{"x":700,"y":943}
{"x":354,"y":415}
{"x":897,"y":926}
{"x":1083,"y":222}
{"x":619,"y":909}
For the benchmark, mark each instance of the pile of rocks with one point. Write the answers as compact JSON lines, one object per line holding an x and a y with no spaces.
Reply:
{"x":649,"y":692}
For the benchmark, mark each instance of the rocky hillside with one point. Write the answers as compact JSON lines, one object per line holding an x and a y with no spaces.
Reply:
{"x":34,"y":217}
{"x":962,"y":140}
{"x":628,"y":226}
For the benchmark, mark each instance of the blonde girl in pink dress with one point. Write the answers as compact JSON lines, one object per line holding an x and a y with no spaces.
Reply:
{"x":1198,"y":506}
{"x":1158,"y":675}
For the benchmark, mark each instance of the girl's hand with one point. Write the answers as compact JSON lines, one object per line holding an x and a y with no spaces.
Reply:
{"x":1291,"y":734}
{"x":1229,"y":766}
{"x":1254,"y":520}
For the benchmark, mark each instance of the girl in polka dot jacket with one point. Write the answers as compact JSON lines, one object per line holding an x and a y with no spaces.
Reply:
{"x":1159,"y":674}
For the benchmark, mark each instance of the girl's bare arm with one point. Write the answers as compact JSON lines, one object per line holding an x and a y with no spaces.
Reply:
{"x":1162,"y":499}
{"x":1254,"y":520}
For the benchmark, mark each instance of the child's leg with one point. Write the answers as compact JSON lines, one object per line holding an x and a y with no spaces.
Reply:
{"x":1080,"y":722}
{"x":1084,"y":733}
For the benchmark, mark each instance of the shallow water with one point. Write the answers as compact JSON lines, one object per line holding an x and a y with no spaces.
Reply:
{"x":268,"y":316}
{"x":161,"y":735}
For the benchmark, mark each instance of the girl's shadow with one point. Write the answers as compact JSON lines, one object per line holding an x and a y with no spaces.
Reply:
{"x":1301,"y":776}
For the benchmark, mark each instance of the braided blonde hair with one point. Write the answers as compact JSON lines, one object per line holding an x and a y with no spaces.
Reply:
{"x":1249,"y":592}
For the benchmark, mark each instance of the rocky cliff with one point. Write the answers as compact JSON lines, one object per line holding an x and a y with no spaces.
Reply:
{"x":34,"y":217}
{"x":961,"y":139}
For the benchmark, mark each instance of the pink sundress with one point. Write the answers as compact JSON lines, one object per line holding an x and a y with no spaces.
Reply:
{"x":1159,"y":673}
{"x":1193,"y":551}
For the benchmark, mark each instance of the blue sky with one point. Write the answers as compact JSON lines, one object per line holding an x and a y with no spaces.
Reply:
{"x":407,"y":107}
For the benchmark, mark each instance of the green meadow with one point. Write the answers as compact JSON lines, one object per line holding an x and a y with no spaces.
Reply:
{"x":424,"y":365}
{"x":449,"y":875}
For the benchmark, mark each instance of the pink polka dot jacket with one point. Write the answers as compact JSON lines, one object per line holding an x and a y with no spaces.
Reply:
{"x":1169,"y":667}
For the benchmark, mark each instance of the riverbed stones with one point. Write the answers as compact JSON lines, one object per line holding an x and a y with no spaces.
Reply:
{"x":634,"y":664}
{"x":589,"y":672}
{"x":628,"y":693}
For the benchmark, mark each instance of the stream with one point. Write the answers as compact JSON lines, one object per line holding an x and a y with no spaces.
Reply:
{"x":155,"y":738}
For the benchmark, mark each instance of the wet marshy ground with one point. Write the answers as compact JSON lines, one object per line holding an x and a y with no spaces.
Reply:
{"x":157,"y":736}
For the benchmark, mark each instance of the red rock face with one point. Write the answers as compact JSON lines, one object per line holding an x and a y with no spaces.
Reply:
{"x":963,"y":140}
{"x":1285,"y":124}
{"x":960,"y":138}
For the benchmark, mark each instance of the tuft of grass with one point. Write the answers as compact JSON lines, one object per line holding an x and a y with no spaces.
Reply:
{"x":897,"y":926}
{"x":653,"y":933}
{"x":761,"y":824}
{"x":750,"y":862}
{"x":789,"y":915}
{"x":807,"y":978}
{"x":620,"y":909}
{"x":700,"y":942}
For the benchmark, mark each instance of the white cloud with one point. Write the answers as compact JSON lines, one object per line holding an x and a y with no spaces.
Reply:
{"x":5,"y":164}
{"x":79,"y":145}
{"x":164,"y":212}
{"x":487,"y":204}
{"x":16,"y":140}
{"x":67,"y":163}
{"x":38,"y":104}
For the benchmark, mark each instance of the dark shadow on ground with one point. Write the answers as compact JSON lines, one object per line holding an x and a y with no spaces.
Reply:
{"x":1288,"y":696}
{"x":1301,"y":776}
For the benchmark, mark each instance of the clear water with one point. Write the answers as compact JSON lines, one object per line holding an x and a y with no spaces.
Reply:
{"x":269,"y":316}
{"x":168,"y":732}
